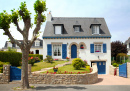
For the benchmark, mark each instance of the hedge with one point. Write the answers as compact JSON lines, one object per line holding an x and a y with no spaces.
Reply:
{"x":14,"y":58}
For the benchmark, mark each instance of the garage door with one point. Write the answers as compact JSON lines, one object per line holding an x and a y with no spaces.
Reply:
{"x":101,"y":67}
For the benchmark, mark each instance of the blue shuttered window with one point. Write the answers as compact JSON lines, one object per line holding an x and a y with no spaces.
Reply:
{"x":64,"y":51}
{"x":91,"y":48}
{"x":49,"y":49}
{"x":104,"y":48}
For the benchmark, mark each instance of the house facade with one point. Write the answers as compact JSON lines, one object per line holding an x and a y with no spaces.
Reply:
{"x":127,"y":42}
{"x":78,"y":37}
{"x":37,"y":47}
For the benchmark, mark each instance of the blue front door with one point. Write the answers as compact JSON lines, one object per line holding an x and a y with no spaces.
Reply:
{"x":101,"y":65}
{"x":73,"y":51}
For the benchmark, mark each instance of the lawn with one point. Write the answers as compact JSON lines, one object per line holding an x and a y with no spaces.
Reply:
{"x":69,"y":68}
{"x":41,"y":65}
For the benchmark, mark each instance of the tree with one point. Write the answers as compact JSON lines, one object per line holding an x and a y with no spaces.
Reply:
{"x":118,"y":47}
{"x":24,"y":14}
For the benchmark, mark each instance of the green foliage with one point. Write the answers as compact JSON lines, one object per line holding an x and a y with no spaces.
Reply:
{"x":11,"y":49}
{"x":77,"y":63}
{"x":115,"y":65}
{"x":5,"y":20}
{"x":118,"y":47}
{"x":13,"y":58}
{"x":36,"y":55}
{"x":1,"y":65}
{"x":23,"y":8}
{"x":120,"y":57}
{"x":15,"y":15}
{"x":48,"y":59}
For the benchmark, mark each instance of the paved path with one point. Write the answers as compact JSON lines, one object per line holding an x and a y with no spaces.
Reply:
{"x":112,"y":80}
{"x":44,"y":87}
{"x":46,"y":69}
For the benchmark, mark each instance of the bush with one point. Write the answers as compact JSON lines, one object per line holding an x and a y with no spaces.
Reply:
{"x":115,"y":65}
{"x":48,"y":59}
{"x":31,"y":60}
{"x":77,"y":63}
{"x":14,"y":58}
{"x":1,"y":65}
{"x":36,"y":55}
{"x":120,"y":57}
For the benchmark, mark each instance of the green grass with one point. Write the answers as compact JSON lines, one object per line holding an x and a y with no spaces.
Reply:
{"x":41,"y":65}
{"x":69,"y":68}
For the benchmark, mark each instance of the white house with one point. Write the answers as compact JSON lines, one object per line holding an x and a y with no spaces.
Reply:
{"x":127,"y":42}
{"x":78,"y":37}
{"x":37,"y":46}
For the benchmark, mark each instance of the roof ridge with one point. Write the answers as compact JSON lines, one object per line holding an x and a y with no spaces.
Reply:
{"x":77,"y":17}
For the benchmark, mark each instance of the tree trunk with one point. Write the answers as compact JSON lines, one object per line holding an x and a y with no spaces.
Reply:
{"x":24,"y":77}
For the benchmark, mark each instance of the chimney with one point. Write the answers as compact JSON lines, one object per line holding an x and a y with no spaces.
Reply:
{"x":49,"y":16}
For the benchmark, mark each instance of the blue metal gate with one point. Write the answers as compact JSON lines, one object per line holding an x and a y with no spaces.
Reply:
{"x":123,"y":70}
{"x":73,"y":51}
{"x":101,"y":65}
{"x":15,"y":73}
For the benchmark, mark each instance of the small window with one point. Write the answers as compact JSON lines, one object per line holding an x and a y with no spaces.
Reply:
{"x":37,"y":43}
{"x":95,"y":29}
{"x":98,"y":48}
{"x":9,"y":44}
{"x":77,"y":29}
{"x":57,"y":29}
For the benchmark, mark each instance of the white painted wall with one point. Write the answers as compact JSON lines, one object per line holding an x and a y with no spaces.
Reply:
{"x":128,"y":52}
{"x":84,"y":53}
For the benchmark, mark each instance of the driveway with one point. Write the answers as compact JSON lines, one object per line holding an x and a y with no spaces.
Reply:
{"x":112,"y":80}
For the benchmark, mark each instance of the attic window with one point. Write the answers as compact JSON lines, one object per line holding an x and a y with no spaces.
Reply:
{"x":9,"y":44}
{"x":58,"y":30}
{"x":95,"y":29}
{"x":77,"y":28}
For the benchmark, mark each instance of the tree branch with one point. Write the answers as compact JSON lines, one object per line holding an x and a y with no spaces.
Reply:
{"x":12,"y":39}
{"x":18,"y":28}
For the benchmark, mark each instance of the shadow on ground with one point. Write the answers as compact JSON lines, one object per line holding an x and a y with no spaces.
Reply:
{"x":59,"y":87}
{"x":99,"y":80}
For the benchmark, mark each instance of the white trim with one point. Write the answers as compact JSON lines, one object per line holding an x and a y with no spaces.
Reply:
{"x":57,"y":57}
{"x":37,"y":42}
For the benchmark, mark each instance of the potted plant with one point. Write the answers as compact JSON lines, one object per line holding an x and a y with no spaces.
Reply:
{"x":55,"y":69}
{"x":67,"y":58}
{"x":97,"y":51}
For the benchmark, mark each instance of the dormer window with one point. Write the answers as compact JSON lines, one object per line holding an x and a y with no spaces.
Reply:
{"x":9,"y":44}
{"x":95,"y":29}
{"x":58,"y":30}
{"x":37,"y":43}
{"x":77,"y":28}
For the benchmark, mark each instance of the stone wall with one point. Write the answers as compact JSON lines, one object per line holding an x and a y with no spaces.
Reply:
{"x":5,"y":76}
{"x":89,"y":78}
{"x":111,"y":70}
{"x":128,"y":69}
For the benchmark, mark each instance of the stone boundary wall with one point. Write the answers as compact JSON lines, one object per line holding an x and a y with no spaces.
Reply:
{"x":128,"y":69}
{"x":111,"y":70}
{"x":89,"y":78}
{"x":5,"y":76}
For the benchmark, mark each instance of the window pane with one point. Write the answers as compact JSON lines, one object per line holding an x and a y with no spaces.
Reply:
{"x":98,"y":48}
{"x":57,"y":50}
{"x":95,"y":29}
{"x":57,"y":29}
{"x":76,"y":29}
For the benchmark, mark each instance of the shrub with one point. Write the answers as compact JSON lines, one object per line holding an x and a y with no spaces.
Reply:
{"x":77,"y":63}
{"x":115,"y":65}
{"x":48,"y":59}
{"x":120,"y":57}
{"x":31,"y":60}
{"x":36,"y":55}
{"x":14,"y":58}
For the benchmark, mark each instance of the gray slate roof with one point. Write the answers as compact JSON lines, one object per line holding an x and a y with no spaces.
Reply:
{"x":68,"y":23}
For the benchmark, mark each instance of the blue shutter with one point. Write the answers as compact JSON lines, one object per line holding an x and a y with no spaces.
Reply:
{"x":104,"y":48}
{"x":64,"y":51}
{"x":92,"y":48}
{"x":49,"y":49}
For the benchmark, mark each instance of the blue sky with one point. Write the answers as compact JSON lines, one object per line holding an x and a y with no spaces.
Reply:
{"x":115,"y":12}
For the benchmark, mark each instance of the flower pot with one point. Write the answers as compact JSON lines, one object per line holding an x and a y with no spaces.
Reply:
{"x":55,"y":70}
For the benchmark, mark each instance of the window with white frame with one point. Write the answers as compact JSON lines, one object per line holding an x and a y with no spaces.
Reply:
{"x":37,"y":43}
{"x":57,"y":29}
{"x":95,"y":29}
{"x":98,"y":47}
{"x":9,"y":44}
{"x":77,"y":29}
{"x":57,"y":50}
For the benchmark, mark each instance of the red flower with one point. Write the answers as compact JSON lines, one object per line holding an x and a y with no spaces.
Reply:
{"x":71,"y":72}
{"x":82,"y":47}
{"x":31,"y":57}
